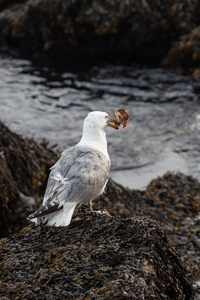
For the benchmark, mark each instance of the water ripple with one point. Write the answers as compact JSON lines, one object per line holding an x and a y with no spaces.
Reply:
{"x":164,"y":126}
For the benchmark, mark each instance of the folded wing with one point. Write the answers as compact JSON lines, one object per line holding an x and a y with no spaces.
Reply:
{"x":80,"y":175}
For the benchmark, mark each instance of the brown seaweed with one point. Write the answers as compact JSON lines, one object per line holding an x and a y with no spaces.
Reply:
{"x":24,"y":166}
{"x":95,"y":257}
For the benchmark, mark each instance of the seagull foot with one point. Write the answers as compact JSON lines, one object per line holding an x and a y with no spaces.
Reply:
{"x":101,"y":212}
{"x":77,"y":219}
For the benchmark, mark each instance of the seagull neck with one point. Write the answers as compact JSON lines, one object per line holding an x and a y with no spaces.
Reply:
{"x":95,"y":139}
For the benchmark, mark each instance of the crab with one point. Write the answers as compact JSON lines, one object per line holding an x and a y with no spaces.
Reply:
{"x":122,"y":116}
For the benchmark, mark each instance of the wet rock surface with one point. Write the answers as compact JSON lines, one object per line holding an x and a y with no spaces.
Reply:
{"x":96,"y":257}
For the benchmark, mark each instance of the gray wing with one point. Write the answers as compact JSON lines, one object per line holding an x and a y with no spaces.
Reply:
{"x":78,"y":176}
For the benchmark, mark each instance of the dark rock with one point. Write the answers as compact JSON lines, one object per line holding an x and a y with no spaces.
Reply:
{"x":169,"y":199}
{"x":125,"y":29}
{"x":9,"y":3}
{"x":184,"y":55}
{"x":24,"y":166}
{"x":174,"y":201}
{"x":96,"y":257}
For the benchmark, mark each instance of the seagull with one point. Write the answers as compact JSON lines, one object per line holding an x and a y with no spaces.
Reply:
{"x":80,"y":175}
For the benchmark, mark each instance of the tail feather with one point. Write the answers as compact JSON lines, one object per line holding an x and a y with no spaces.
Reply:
{"x":60,"y":217}
{"x":45,"y":210}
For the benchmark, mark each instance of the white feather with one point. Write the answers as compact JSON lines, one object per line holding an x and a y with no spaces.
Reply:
{"x":61,"y":217}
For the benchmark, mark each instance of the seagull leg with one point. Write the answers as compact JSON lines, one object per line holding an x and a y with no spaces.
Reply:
{"x":101,"y":212}
{"x":90,"y":206}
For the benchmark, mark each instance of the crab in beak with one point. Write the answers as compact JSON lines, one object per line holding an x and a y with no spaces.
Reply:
{"x":113,"y":123}
{"x":121,"y":116}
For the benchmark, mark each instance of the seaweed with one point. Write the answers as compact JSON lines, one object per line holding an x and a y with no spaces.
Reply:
{"x":24,"y":167}
{"x":95,"y":257}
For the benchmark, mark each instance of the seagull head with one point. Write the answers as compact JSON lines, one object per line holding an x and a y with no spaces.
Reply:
{"x":101,"y":119}
{"x":94,"y":135}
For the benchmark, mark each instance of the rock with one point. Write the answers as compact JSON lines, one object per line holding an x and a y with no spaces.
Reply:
{"x":169,"y":199}
{"x":24,"y":166}
{"x":96,"y":257}
{"x":173,"y":200}
{"x":129,"y":30}
{"x":184,"y":55}
{"x":9,"y":3}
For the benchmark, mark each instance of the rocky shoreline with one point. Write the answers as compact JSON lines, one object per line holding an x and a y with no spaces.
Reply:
{"x":149,"y":246}
{"x":97,"y":256}
{"x":162,"y":32}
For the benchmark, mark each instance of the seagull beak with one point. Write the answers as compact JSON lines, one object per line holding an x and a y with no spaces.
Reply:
{"x":113,"y":123}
